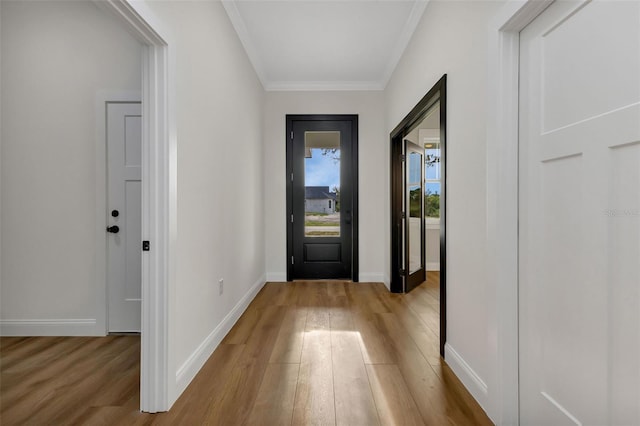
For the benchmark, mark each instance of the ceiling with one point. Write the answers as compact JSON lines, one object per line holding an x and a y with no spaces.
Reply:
{"x":324,"y":45}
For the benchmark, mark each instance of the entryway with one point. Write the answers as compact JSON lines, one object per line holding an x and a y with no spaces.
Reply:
{"x":322,"y":197}
{"x":418,"y":159}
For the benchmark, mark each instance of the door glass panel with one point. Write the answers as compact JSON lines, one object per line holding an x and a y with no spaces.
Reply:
{"x":414,"y":188}
{"x":432,"y":188}
{"x":322,"y":184}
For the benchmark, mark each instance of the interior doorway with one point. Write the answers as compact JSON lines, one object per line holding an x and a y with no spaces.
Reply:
{"x":418,"y":199}
{"x":322,"y":197}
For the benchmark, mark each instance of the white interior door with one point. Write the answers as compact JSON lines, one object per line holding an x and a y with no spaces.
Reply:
{"x":579,"y":283}
{"x":124,"y":272}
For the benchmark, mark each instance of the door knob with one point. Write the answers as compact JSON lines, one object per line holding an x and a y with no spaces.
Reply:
{"x":113,"y":229}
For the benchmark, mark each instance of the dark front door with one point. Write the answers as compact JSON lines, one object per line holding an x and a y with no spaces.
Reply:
{"x":322,"y":196}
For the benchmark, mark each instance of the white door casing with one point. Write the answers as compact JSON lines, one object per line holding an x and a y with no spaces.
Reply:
{"x":579,"y":214}
{"x":158,"y":387}
{"x":124,"y":204}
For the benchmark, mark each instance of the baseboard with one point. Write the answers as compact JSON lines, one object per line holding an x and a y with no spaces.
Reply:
{"x":276,"y":277}
{"x":50,"y":327}
{"x":371,"y":277}
{"x":387,"y":282}
{"x":433,"y":266}
{"x":469,"y":378}
{"x":197,"y":359}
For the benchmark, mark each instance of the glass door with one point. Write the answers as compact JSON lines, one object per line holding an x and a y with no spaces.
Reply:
{"x":414,"y":215}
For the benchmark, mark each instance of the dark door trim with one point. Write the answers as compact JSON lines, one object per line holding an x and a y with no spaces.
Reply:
{"x":415,"y":116}
{"x":353,"y":170}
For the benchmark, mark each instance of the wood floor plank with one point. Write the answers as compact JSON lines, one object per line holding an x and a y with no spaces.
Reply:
{"x":274,"y":403}
{"x":288,"y":346}
{"x":314,"y":401}
{"x":287,"y":294}
{"x":233,"y":405}
{"x":427,"y":341}
{"x":375,"y":346}
{"x":362,"y":297}
{"x":424,"y":384}
{"x":393,"y":400}
{"x":193,"y":405}
{"x":305,"y":352}
{"x":354,"y":402}
{"x":244,"y":327}
{"x":438,"y":402}
{"x":432,"y":320}
{"x":268,"y":294}
{"x":340,"y":319}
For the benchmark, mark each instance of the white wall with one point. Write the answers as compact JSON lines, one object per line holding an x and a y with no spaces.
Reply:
{"x":56,"y":56}
{"x":452,"y":38}
{"x":220,"y":170}
{"x":373,"y":175}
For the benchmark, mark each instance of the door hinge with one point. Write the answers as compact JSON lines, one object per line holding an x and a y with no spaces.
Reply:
{"x":145,"y":245}
{"x":404,"y":215}
{"x":403,"y":158}
{"x":291,"y":218}
{"x":291,"y":177}
{"x":402,"y":272}
{"x":291,"y":135}
{"x":292,"y":260}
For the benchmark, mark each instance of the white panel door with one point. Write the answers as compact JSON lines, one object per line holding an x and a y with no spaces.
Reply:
{"x":579,"y":283}
{"x":124,"y":273}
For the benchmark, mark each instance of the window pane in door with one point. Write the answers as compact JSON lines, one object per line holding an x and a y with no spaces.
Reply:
{"x":414,"y":187}
{"x":322,"y":184}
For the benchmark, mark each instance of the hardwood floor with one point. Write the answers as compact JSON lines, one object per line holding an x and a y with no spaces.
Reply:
{"x":304,"y":353}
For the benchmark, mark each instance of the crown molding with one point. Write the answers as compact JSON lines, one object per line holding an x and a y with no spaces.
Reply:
{"x":231,"y":7}
{"x":417,"y":11}
{"x":314,"y":86}
{"x":239,"y":25}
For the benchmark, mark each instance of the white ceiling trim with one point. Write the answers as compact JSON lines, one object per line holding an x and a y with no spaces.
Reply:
{"x":312,"y":86}
{"x":245,"y":39}
{"x":414,"y":19}
{"x":405,"y":37}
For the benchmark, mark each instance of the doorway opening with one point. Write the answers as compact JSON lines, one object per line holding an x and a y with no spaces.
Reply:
{"x":418,"y":200}
{"x":322,"y":197}
{"x":159,"y":201}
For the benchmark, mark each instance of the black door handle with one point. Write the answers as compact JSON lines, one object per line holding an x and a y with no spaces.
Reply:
{"x":113,"y":229}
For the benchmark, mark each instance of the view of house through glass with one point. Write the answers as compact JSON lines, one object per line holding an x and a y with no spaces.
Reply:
{"x":322,"y":184}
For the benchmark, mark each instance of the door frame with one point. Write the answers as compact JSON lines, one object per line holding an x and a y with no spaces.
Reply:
{"x":502,"y":203}
{"x":158,"y":388}
{"x":290,"y":118}
{"x":437,"y":93}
